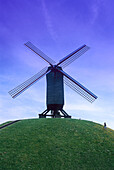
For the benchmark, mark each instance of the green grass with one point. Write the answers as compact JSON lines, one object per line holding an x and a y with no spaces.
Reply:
{"x":5,"y":123}
{"x":56,"y":144}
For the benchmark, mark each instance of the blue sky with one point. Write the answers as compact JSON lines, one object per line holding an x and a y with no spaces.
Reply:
{"x":57,"y":28}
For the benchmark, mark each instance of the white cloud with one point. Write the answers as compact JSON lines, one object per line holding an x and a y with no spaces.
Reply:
{"x":83,"y":107}
{"x":49,"y":21}
{"x":96,"y":7}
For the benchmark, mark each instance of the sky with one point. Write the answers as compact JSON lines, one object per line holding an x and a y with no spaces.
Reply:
{"x":57,"y":28}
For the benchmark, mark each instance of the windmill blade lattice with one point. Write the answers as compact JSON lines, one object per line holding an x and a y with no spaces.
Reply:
{"x":79,"y":90}
{"x":40,"y":53}
{"x":22,"y":87}
{"x":78,"y":84}
{"x":73,"y":56}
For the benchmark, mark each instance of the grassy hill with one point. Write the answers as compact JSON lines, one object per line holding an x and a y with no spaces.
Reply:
{"x":56,"y":144}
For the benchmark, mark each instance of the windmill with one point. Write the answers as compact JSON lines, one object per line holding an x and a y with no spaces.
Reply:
{"x":55,"y":78}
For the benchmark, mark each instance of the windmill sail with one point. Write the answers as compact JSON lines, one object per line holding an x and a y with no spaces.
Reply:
{"x":40,"y":53}
{"x":25,"y":85}
{"x":73,"y":56}
{"x":79,"y":88}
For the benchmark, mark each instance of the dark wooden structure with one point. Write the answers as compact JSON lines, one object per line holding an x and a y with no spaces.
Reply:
{"x":55,"y":78}
{"x":55,"y":95}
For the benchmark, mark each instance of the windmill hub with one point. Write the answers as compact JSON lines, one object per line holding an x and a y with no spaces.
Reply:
{"x":54,"y":68}
{"x":55,"y":78}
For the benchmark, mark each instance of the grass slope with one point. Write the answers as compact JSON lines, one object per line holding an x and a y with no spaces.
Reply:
{"x":5,"y":123}
{"x":56,"y":144}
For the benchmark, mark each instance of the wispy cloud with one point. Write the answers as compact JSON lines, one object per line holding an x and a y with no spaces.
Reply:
{"x":48,"y":21}
{"x":83,"y":107}
{"x":96,"y":7}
